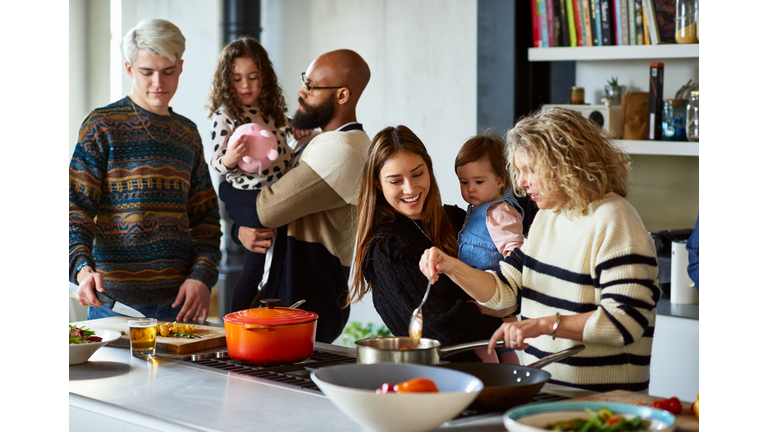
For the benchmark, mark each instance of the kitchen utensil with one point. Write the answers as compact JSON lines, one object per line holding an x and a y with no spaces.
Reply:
{"x":504,"y":385}
{"x":535,"y":417}
{"x":270,"y":335}
{"x":400,"y":349}
{"x":297,"y":304}
{"x":118,"y":307}
{"x":80,"y":353}
{"x":210,"y":336}
{"x":417,"y":320}
{"x":686,"y":421}
{"x":352,"y":389}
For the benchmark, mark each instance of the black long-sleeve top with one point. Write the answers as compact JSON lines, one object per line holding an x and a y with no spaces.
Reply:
{"x":391,"y":267}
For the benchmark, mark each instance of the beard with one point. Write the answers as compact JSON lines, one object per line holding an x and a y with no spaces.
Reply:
{"x":314,"y":116}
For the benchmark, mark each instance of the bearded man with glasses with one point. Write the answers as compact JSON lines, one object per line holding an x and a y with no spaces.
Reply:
{"x":312,"y":207}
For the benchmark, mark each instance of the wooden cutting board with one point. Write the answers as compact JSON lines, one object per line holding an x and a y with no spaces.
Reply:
{"x":686,"y":421}
{"x":211,"y":337}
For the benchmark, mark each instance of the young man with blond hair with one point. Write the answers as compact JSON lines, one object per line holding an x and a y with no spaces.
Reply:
{"x":143,"y":215}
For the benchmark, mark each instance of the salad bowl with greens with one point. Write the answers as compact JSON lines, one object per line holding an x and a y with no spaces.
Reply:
{"x":83,"y":342}
{"x":587,"y":416}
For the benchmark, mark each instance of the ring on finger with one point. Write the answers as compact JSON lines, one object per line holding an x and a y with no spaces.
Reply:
{"x":513,"y":343}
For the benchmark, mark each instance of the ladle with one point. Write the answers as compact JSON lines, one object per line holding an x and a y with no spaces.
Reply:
{"x":417,"y":320}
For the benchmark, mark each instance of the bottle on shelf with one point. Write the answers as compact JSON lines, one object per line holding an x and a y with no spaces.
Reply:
{"x":673,"y":120}
{"x":692,"y":117}
{"x":686,"y":18}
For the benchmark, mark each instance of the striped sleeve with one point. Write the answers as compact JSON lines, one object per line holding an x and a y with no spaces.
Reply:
{"x":508,"y":282}
{"x":624,"y":275}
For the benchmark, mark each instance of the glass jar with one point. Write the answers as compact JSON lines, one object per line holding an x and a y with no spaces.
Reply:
{"x":686,"y":18}
{"x":673,"y":120}
{"x":577,"y":95}
{"x":692,"y":117}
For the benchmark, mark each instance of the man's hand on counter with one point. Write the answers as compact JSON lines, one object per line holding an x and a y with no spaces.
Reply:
{"x":198,"y":298}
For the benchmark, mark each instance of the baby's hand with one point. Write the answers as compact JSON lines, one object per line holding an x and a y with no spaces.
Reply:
{"x":236,"y":150}
{"x":299,"y":134}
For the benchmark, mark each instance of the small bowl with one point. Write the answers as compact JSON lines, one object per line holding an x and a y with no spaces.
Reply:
{"x":80,"y":353}
{"x":535,"y":417}
{"x":352,"y":388}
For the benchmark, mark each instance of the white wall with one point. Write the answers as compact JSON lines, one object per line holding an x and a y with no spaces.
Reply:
{"x":199,"y":22}
{"x":423,"y":60}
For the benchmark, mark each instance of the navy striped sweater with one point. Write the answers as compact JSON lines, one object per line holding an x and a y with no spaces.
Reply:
{"x":604,"y":261}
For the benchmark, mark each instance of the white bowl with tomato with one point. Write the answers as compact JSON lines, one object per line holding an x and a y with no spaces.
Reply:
{"x":393,"y":397}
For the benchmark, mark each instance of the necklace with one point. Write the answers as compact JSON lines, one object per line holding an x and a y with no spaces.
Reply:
{"x":145,"y":126}
{"x":420,"y":229}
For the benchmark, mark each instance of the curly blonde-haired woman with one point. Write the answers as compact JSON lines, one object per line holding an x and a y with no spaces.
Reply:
{"x":587,"y":272}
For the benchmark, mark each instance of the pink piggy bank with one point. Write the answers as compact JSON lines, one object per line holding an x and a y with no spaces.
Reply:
{"x":262,"y":147}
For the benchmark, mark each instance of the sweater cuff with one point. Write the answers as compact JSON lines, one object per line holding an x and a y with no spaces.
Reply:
{"x":205,"y":274}
{"x":75,"y":263}
{"x":503,"y":297}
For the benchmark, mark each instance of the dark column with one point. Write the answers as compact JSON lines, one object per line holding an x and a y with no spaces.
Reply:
{"x":241,"y":18}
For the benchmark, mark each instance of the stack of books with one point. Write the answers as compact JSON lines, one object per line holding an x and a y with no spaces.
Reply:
{"x":583,"y":23}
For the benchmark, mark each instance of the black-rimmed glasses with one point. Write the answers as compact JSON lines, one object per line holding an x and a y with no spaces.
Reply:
{"x":309,"y":87}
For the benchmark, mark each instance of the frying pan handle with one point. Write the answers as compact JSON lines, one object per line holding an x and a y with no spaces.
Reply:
{"x":467,"y":346}
{"x":556,"y":356}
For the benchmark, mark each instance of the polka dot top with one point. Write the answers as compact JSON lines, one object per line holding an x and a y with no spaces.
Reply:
{"x":222,"y":127}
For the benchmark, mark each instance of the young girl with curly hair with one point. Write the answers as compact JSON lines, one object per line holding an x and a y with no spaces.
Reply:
{"x":245,"y":90}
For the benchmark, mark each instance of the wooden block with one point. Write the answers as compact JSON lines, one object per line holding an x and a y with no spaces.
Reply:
{"x":686,"y":421}
{"x":210,"y":336}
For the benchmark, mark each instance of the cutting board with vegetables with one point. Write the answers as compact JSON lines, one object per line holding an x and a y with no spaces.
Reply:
{"x":686,"y":420}
{"x":210,"y":336}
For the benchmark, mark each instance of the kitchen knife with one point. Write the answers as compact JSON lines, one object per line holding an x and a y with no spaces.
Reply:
{"x":118,"y":307}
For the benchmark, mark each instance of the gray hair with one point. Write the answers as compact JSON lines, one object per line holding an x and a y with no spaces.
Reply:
{"x":157,"y":37}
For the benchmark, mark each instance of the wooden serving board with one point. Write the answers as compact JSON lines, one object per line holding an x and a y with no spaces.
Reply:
{"x":686,"y":421}
{"x":211,"y":337}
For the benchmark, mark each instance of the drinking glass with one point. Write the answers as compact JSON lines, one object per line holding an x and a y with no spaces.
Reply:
{"x":143,"y":337}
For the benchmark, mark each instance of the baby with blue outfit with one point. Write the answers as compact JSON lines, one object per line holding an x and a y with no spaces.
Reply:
{"x":493,"y":226}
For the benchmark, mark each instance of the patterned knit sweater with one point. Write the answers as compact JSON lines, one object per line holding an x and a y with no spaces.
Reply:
{"x":143,"y":212}
{"x":603,"y":262}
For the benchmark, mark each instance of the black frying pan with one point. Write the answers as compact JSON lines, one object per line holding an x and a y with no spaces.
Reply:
{"x":506,"y":385}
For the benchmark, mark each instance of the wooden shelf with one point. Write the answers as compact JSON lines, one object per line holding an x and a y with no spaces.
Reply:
{"x":652,"y":52}
{"x":663,"y":148}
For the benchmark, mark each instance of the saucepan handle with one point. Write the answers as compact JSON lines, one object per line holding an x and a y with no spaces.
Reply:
{"x":556,"y":356}
{"x":467,"y":346}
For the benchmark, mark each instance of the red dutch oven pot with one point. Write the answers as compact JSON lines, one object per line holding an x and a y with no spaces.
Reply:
{"x":270,"y":335}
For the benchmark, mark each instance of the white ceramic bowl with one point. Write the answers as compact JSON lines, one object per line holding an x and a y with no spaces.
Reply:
{"x":352,"y":388}
{"x":80,"y":353}
{"x":535,"y":417}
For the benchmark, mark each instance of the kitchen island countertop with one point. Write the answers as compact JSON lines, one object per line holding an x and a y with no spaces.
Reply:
{"x":113,"y":389}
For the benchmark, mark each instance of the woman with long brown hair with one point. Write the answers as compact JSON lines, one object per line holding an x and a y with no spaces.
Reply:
{"x":399,"y":215}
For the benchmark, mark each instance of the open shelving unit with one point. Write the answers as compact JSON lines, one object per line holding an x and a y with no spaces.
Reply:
{"x":660,"y":148}
{"x":627,"y":52}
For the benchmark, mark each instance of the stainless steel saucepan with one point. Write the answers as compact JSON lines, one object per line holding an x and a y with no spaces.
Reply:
{"x":401,"y":350}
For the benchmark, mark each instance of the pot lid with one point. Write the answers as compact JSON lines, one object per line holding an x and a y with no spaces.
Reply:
{"x":271,"y":315}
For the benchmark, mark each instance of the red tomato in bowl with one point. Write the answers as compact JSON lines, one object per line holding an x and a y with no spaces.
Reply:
{"x":416,"y":385}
